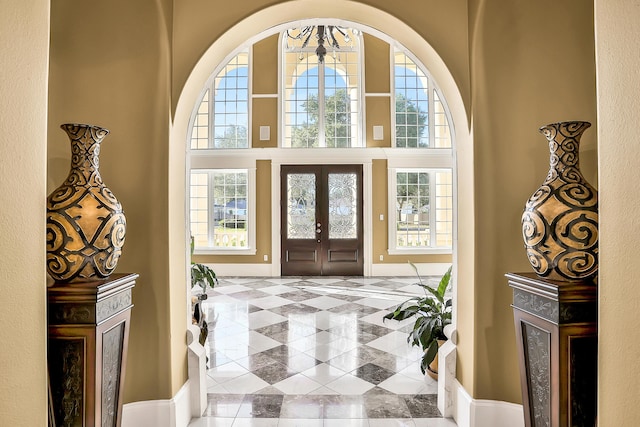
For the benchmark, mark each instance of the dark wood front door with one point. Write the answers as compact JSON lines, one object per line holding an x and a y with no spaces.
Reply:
{"x":321,"y":211}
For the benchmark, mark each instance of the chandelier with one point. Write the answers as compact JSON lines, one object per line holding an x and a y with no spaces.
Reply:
{"x":324,"y":34}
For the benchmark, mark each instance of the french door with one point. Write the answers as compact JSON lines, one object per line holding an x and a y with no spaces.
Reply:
{"x":321,"y":211}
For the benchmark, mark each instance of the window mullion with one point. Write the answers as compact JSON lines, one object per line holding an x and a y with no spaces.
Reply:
{"x":432,"y":209}
{"x":211,"y":209}
{"x":431,"y":114}
{"x":321,"y":107}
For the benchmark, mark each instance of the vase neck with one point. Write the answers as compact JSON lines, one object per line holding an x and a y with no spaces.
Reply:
{"x":85,"y":154}
{"x":564,"y":145}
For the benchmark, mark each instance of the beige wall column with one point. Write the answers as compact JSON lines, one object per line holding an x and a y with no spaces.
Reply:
{"x":24,"y":52}
{"x":111,"y":66}
{"x":617,"y":46}
{"x":532,"y":63}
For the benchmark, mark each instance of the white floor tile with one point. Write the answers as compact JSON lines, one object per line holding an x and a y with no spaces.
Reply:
{"x":378,"y":319}
{"x":323,"y":281}
{"x":346,"y":422}
{"x":264,"y":318}
{"x":270,"y":301}
{"x":226,"y":372}
{"x":256,"y":422}
{"x":391,"y":422}
{"x":324,"y":302}
{"x":290,"y":422}
{"x":260,"y":342}
{"x":323,"y":373}
{"x":379,"y":303}
{"x":232,"y":289}
{"x":434,"y":422}
{"x":211,"y":422}
{"x":396,"y":344}
{"x":325,"y":352}
{"x":248,"y":383}
{"x":349,"y":384}
{"x":277,"y":289}
{"x":297,"y":384}
{"x":401,"y":384}
{"x":281,"y":280}
{"x":324,"y":391}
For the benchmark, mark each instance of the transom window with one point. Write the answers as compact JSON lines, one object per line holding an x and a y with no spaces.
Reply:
{"x":322,"y":101}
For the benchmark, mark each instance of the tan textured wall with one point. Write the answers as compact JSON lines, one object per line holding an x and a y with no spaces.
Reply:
{"x":264,"y":113}
{"x":618,"y":36}
{"x":532,"y":63}
{"x":24,"y":52}
{"x":376,"y":55}
{"x":110,"y":66}
{"x":378,"y":110}
{"x":265,"y":66}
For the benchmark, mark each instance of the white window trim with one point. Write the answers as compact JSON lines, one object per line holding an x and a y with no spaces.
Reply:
{"x":217,"y":164}
{"x":361,"y":140}
{"x":419,"y":159}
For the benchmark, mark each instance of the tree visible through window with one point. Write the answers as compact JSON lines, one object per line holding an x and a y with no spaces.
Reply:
{"x":321,"y":99}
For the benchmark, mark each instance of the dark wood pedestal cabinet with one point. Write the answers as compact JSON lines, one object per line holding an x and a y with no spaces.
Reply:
{"x":556,"y":329}
{"x":87,"y":352}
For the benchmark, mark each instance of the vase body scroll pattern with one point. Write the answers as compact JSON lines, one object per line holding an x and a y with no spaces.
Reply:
{"x":85,"y":222}
{"x":560,"y":220}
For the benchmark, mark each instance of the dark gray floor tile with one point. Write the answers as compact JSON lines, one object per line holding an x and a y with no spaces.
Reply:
{"x":372,"y":373}
{"x":260,"y":406}
{"x":423,"y":405}
{"x":386,"y":406}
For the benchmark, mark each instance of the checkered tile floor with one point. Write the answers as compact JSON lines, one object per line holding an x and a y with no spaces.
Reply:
{"x":314,"y":351}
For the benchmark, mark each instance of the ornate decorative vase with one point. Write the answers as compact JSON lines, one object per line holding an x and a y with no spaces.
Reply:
{"x":85,"y":223}
{"x":560,"y":220}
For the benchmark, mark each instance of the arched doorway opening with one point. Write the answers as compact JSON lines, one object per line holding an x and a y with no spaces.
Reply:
{"x":253,"y":27}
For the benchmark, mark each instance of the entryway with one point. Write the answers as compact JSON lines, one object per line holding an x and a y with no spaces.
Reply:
{"x":322,"y":220}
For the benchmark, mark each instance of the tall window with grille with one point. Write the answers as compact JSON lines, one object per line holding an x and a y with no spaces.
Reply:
{"x":220,"y":207}
{"x":421,"y":119}
{"x":321,"y":99}
{"x":221,"y":198}
{"x":222,"y":117}
{"x":421,"y":185}
{"x":423,"y":209}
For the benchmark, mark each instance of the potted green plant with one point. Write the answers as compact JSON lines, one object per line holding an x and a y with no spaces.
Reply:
{"x":432,"y":312}
{"x":202,"y":276}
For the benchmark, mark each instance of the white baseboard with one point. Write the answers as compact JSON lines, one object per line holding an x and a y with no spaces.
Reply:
{"x":388,"y":270}
{"x":175,"y":412}
{"x":486,"y":413}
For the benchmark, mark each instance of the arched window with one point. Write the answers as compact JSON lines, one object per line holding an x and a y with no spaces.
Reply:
{"x":222,"y":118}
{"x":321,"y":81}
{"x":222,"y":208}
{"x":421,"y":120}
{"x":421,"y":186}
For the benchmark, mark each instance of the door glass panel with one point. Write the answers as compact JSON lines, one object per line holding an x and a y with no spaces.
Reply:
{"x":301,"y":206}
{"x":343,"y":206}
